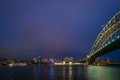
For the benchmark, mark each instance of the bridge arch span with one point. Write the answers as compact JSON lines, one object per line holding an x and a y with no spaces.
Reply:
{"x":107,"y":40}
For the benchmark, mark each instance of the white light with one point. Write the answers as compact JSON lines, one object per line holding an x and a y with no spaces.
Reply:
{"x":108,"y":42}
{"x":70,"y":63}
{"x":105,"y":44}
{"x":118,"y":36}
{"x":113,"y":39}
{"x":10,"y":65}
{"x":63,"y":62}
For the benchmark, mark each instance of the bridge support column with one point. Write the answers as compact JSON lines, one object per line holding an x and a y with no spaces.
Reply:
{"x":90,"y":60}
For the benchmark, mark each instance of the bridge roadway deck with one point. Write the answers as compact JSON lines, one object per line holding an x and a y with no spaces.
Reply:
{"x":111,"y":47}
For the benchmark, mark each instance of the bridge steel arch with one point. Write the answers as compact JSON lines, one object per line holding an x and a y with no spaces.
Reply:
{"x":107,"y":40}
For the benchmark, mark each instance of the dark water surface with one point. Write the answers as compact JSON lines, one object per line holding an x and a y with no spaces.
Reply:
{"x":63,"y":72}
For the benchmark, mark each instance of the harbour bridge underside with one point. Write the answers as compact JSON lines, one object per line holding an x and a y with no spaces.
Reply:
{"x":108,"y":39}
{"x":113,"y":46}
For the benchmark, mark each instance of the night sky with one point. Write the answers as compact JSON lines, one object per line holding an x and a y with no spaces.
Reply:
{"x":53,"y":28}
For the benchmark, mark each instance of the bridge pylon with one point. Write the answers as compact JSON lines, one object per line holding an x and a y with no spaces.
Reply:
{"x":90,"y":60}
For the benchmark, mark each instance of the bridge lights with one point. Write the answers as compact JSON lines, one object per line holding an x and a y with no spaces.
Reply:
{"x":99,"y":49}
{"x":105,"y":44}
{"x":118,"y":36}
{"x":113,"y":40}
{"x":88,"y":56}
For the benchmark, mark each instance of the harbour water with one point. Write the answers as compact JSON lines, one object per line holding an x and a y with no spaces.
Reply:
{"x":60,"y":72}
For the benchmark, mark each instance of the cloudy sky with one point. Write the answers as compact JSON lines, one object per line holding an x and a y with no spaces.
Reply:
{"x":52,"y":28}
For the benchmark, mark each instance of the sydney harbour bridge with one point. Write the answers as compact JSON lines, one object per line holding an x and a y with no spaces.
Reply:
{"x":107,"y":40}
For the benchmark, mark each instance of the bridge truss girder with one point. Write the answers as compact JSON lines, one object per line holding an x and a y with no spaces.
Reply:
{"x":110,"y":30}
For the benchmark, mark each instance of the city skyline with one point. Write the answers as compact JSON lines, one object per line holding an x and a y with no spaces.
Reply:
{"x":53,"y":28}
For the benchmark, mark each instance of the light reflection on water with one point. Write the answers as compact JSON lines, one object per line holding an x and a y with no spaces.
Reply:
{"x":65,"y":72}
{"x":70,"y":73}
{"x":104,"y":72}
